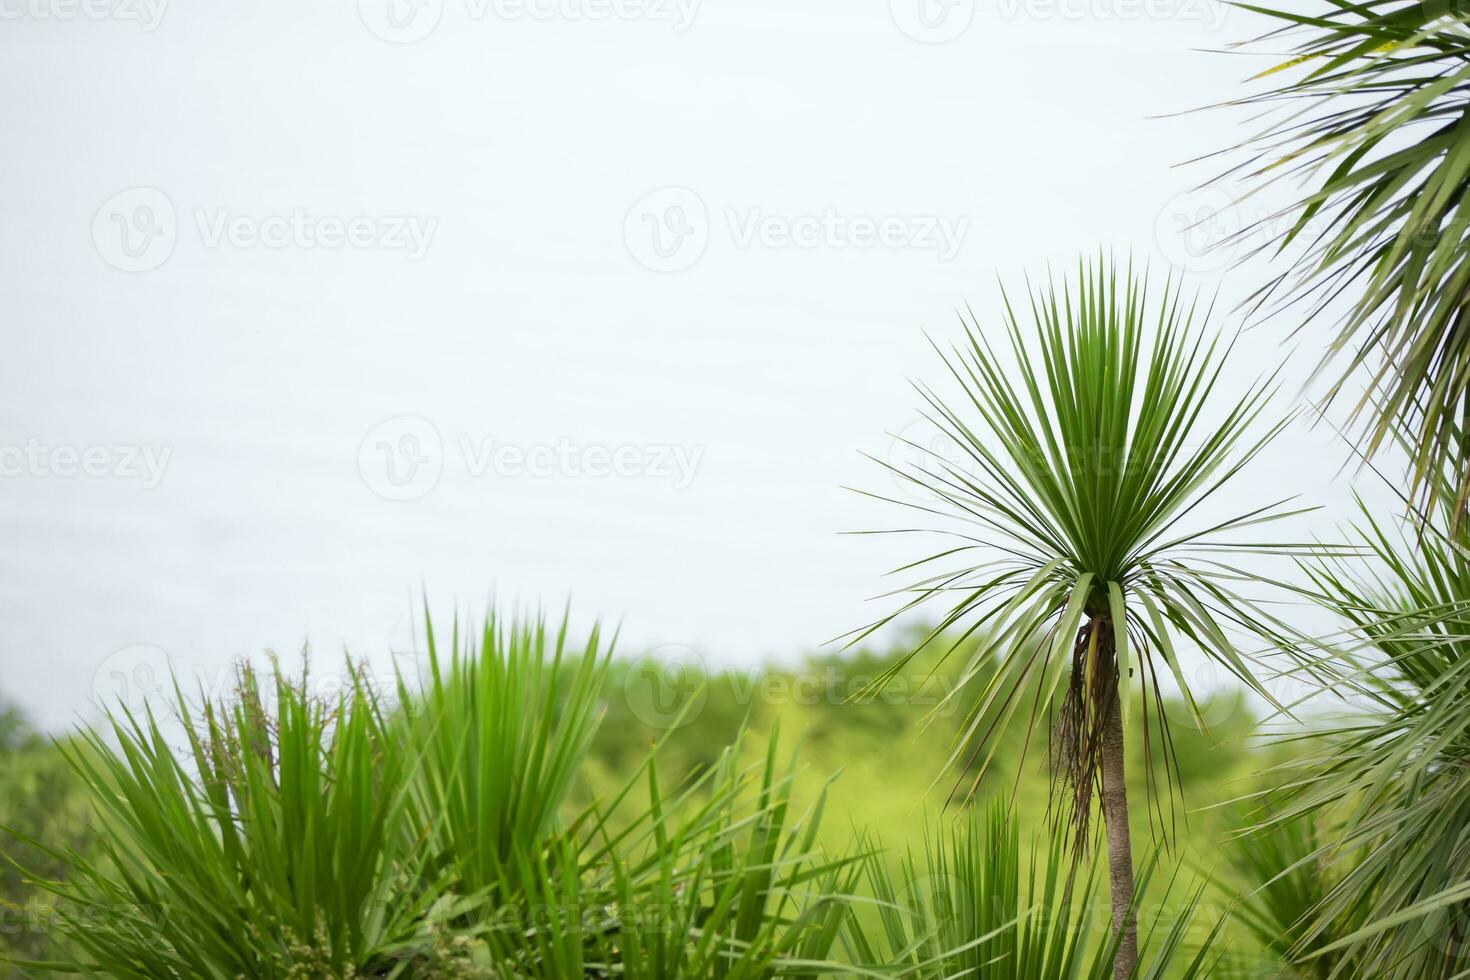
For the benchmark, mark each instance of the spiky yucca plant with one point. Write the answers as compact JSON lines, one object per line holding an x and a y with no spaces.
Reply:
{"x":1371,"y":126}
{"x":1075,"y":546}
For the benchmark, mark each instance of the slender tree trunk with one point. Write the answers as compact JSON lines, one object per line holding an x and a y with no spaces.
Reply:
{"x":1120,"y":848}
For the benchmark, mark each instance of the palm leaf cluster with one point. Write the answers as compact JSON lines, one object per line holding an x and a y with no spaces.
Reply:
{"x":1390,"y":781}
{"x":1372,"y":131}
{"x":1077,"y":541}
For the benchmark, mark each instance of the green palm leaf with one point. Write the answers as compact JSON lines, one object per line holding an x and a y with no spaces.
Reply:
{"x":1375,"y":126}
{"x":1390,"y":779}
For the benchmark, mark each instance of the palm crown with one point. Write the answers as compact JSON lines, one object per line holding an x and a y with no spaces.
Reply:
{"x":1080,"y":540}
{"x":1078,"y":478}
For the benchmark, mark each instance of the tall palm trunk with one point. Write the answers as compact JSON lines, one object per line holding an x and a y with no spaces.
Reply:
{"x":1089,"y":745}
{"x":1120,"y":847}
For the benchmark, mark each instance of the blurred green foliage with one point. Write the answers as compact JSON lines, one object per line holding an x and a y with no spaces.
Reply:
{"x":40,"y":799}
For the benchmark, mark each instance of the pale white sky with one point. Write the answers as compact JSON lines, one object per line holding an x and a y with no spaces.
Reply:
{"x":339,"y":302}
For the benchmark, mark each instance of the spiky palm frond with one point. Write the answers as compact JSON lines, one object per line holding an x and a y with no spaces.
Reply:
{"x":1280,"y":879}
{"x":1075,"y":537}
{"x":1374,"y":126}
{"x":1393,"y":779}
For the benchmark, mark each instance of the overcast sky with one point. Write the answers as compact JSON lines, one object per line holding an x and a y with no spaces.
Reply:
{"x":309,"y":308}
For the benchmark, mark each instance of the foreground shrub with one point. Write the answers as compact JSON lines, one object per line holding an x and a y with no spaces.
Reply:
{"x":273,"y":845}
{"x":295,"y":837}
{"x":974,"y":905}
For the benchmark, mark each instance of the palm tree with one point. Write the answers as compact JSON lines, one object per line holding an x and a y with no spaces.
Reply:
{"x":1374,"y":128}
{"x":1074,"y":534}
